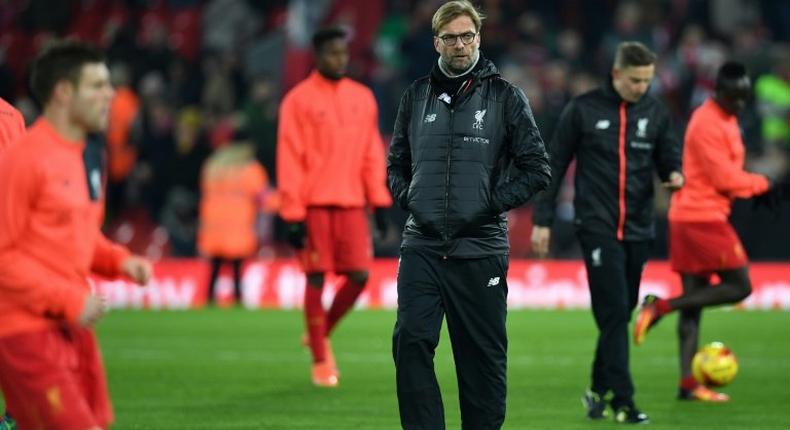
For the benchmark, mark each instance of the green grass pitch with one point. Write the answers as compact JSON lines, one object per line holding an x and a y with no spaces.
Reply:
{"x":240,"y":369}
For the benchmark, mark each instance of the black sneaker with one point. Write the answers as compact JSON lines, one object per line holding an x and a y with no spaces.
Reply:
{"x":595,"y":405}
{"x":630,"y":415}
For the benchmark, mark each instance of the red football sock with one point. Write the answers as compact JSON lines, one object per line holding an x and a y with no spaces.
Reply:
{"x":344,"y":300}
{"x":663,"y":307}
{"x":688,"y":383}
{"x":315,"y":318}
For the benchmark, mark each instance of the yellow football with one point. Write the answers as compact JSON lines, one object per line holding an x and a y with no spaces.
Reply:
{"x":714,"y":365}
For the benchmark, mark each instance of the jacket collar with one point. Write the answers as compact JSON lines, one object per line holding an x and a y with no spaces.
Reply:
{"x":458,"y":87}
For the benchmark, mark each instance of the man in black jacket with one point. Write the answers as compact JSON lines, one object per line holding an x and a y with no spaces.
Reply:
{"x":619,"y":136}
{"x":456,"y":134}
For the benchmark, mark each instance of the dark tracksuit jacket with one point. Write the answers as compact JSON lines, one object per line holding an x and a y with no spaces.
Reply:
{"x":447,"y":166}
{"x":617,"y":146}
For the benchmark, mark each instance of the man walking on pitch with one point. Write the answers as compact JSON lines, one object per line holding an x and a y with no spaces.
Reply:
{"x":457,"y":132}
{"x":619,"y":135}
{"x":701,"y":240}
{"x":330,"y":165}
{"x":51,"y":207}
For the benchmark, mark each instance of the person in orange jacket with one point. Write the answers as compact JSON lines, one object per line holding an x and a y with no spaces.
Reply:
{"x":51,"y":208}
{"x":701,"y":240}
{"x":12,"y":125}
{"x":232,"y":187}
{"x":330,"y":166}
{"x":121,"y":153}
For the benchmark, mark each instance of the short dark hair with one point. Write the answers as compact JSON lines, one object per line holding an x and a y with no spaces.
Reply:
{"x":327,"y":34}
{"x":62,"y":59}
{"x":630,"y":54}
{"x":729,"y":72}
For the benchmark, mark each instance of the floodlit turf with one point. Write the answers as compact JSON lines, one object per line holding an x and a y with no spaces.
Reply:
{"x":238,"y":369}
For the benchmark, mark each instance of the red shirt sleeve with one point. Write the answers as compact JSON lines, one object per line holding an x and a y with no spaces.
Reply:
{"x":290,"y":162}
{"x":12,"y":125}
{"x":107,"y":257}
{"x":726,"y":175}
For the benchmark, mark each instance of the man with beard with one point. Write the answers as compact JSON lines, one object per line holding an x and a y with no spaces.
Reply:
{"x":457,"y":133}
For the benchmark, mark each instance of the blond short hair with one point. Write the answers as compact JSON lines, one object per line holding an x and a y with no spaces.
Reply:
{"x":452,"y":10}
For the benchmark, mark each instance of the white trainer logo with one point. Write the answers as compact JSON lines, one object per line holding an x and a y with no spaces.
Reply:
{"x":596,"y":257}
{"x":431,"y":117}
{"x":493,"y":282}
{"x":602,"y":124}
{"x":479,"y":115}
{"x":641,"y":127}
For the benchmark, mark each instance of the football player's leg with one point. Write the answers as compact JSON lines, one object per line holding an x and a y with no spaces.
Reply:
{"x":346,"y":297}
{"x":688,"y":330}
{"x":352,"y":252}
{"x":734,"y":287}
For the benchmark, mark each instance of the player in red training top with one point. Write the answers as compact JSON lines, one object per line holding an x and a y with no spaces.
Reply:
{"x":330,"y":165}
{"x":51,"y":207}
{"x":702,"y":241}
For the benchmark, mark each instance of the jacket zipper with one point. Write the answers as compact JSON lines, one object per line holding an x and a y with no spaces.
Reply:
{"x":447,"y":182}
{"x":622,"y":176}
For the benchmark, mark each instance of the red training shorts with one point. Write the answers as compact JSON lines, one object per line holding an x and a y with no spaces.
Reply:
{"x":54,"y":379}
{"x":702,"y":248}
{"x":338,"y":240}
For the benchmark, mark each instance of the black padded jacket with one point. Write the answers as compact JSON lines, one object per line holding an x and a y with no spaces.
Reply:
{"x":448,"y":163}
{"x":618,"y":146}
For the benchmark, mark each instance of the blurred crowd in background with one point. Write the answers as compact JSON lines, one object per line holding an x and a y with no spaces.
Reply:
{"x":193,"y":76}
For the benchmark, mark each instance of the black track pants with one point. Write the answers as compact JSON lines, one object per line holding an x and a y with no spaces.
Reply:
{"x":614,"y":271}
{"x":472,"y":295}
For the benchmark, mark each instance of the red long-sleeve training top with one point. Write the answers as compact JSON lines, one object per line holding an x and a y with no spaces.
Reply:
{"x":49,"y":232}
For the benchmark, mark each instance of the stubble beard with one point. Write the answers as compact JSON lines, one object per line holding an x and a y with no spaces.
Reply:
{"x":456,"y":69}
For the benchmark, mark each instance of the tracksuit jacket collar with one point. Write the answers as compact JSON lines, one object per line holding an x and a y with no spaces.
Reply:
{"x":456,"y":87}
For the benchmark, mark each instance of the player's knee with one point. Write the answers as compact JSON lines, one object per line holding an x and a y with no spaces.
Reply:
{"x":315,"y":280}
{"x":744,"y":289}
{"x":358,"y":277}
{"x":739,"y":283}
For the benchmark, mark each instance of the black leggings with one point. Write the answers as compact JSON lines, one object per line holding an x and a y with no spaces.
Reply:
{"x":216,"y":263}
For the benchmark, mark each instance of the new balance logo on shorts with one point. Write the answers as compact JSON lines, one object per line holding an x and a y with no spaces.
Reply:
{"x":493,"y":282}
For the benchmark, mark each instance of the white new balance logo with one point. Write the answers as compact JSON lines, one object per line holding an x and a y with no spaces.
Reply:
{"x":493,"y":282}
